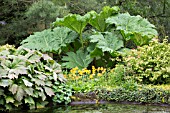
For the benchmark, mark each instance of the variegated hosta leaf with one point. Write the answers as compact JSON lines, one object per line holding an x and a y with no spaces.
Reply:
{"x":107,"y":41}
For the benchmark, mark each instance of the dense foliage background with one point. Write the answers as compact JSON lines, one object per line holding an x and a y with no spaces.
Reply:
{"x":19,"y":19}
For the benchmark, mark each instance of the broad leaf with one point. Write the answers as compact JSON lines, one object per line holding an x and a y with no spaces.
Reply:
{"x":41,"y":104}
{"x":20,"y":94}
{"x":80,"y":59}
{"x":29,"y":91}
{"x":13,"y":88}
{"x":38,"y":82}
{"x":138,"y":29}
{"x":49,"y":91}
{"x":9,"y":99}
{"x":5,"y":82}
{"x":74,"y":21}
{"x":27,"y":83}
{"x":29,"y":100}
{"x":98,"y":20}
{"x":1,"y":92}
{"x":50,"y":40}
{"x":107,"y":41}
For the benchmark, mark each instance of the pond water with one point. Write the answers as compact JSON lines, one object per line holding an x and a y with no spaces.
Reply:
{"x":102,"y":108}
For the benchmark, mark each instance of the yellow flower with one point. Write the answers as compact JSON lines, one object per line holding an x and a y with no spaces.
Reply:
{"x":99,"y":74}
{"x":80,"y":72}
{"x":91,"y":76}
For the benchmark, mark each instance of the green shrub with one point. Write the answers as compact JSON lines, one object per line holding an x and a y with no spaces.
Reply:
{"x":143,"y":95}
{"x":26,"y":78}
{"x":150,"y":64}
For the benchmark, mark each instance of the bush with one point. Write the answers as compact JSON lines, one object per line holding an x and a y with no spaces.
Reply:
{"x":26,"y":78}
{"x":143,"y":95}
{"x":150,"y":64}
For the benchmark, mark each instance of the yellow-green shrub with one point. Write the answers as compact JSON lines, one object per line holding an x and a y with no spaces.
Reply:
{"x":150,"y":64}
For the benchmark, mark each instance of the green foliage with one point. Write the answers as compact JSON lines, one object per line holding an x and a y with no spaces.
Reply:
{"x":75,"y":22}
{"x":27,"y":77}
{"x":140,"y":30}
{"x":107,"y":41}
{"x":98,"y":20}
{"x":79,"y":59}
{"x":150,"y":64}
{"x":63,"y":92}
{"x":143,"y":95}
{"x":50,"y":40}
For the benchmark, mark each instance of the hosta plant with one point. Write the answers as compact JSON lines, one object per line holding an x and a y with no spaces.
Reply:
{"x":150,"y":64}
{"x":26,"y":78}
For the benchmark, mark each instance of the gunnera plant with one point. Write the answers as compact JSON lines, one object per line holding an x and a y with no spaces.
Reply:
{"x":26,"y":78}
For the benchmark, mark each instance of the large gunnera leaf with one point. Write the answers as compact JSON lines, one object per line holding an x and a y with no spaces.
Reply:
{"x":80,"y":59}
{"x":74,"y":21}
{"x":50,"y":40}
{"x":136,"y":28}
{"x":107,"y":41}
{"x":98,"y":20}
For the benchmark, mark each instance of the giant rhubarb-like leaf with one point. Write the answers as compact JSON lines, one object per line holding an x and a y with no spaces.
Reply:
{"x":50,"y":40}
{"x":107,"y":41}
{"x":80,"y":59}
{"x":98,"y":20}
{"x":138,"y":29}
{"x":74,"y":21}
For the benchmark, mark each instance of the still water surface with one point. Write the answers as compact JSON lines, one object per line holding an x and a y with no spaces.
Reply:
{"x":102,"y":108}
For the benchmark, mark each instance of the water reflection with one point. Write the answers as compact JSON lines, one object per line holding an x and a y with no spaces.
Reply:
{"x":102,"y":108}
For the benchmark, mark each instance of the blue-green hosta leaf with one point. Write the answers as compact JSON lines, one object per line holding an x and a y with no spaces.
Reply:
{"x":74,"y":21}
{"x":98,"y":20}
{"x":20,"y":94}
{"x":107,"y":41}
{"x":49,"y":91}
{"x":5,"y":82}
{"x":134,"y":27}
{"x":9,"y":99}
{"x":50,"y":40}
{"x":29,"y":100}
{"x":80,"y":59}
{"x":13,"y":88}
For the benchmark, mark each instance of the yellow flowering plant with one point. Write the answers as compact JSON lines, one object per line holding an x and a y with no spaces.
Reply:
{"x":84,"y":80}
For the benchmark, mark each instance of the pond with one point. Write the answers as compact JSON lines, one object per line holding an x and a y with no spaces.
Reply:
{"x":102,"y":108}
